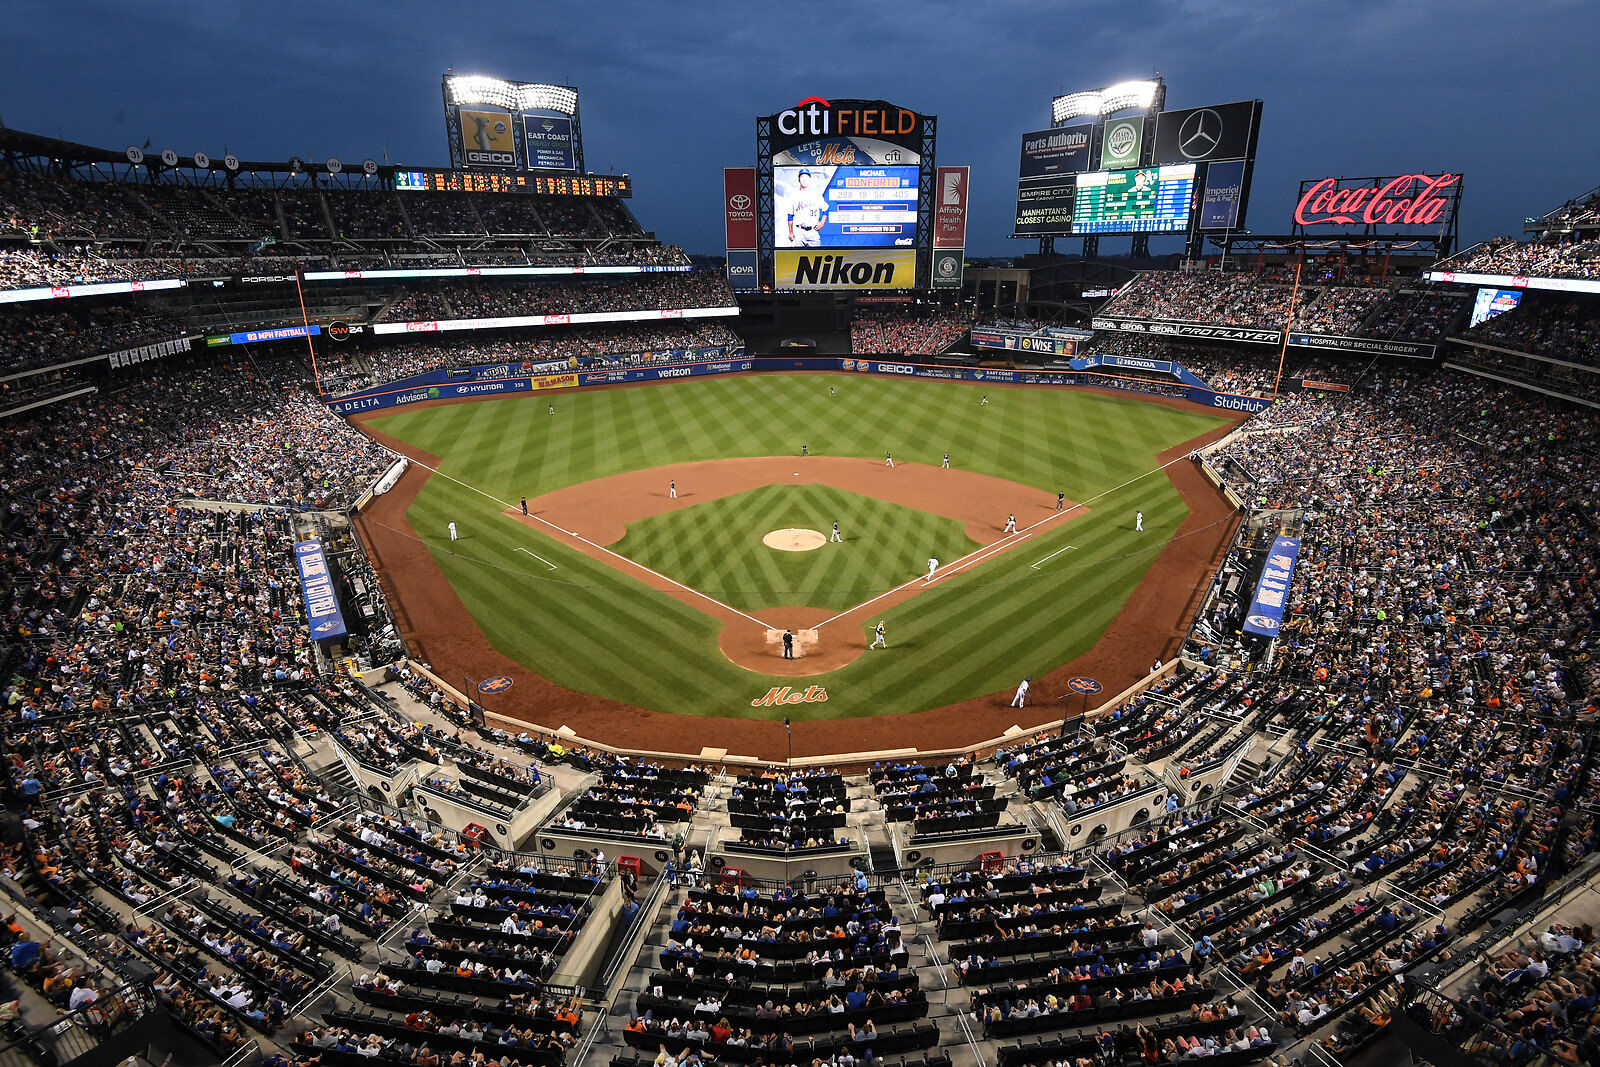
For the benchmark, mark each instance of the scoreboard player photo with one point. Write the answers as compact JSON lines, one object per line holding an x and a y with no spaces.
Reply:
{"x":802,"y":208}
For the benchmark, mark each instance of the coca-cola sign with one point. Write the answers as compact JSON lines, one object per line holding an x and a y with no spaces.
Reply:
{"x":1407,"y":200}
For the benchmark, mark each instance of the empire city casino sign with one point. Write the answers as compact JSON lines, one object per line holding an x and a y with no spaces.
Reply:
{"x":1409,"y":200}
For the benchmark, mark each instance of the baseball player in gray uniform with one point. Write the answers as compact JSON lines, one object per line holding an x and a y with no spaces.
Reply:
{"x":806,"y":213}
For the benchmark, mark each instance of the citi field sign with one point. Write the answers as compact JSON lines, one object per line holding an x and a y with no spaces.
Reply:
{"x":816,"y":117}
{"x":1407,"y":200}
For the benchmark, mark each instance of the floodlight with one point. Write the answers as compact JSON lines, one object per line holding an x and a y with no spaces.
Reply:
{"x":513,"y":96}
{"x":1096,"y":102}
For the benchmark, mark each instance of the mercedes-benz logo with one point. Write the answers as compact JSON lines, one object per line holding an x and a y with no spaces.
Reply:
{"x":739,"y":202}
{"x":1200,"y":134}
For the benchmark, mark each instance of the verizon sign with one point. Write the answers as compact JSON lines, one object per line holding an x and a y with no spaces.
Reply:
{"x":1408,"y":200}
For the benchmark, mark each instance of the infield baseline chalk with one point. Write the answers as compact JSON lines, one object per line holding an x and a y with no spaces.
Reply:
{"x":1053,"y":555}
{"x":963,"y":561}
{"x":538,"y":557}
{"x":600,"y":548}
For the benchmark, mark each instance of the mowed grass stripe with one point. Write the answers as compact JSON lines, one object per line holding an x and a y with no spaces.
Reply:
{"x":973,"y":633}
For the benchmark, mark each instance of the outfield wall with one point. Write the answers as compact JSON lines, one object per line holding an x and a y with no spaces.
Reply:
{"x":436,"y":385}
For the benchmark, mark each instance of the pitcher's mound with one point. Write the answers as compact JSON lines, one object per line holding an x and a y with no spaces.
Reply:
{"x":792,"y":540}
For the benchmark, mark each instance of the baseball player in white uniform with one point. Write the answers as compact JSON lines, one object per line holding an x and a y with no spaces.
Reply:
{"x":888,"y":459}
{"x":879,"y":641}
{"x":452,"y":529}
{"x":1138,"y":521}
{"x":947,"y":461}
{"x":672,"y":489}
{"x":835,"y":536}
{"x":1011,"y":524}
{"x":933,"y":565}
{"x":1021,"y":699}
{"x":806,"y":213}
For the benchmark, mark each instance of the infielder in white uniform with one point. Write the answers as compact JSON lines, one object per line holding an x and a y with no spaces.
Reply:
{"x":1021,"y":699}
{"x":452,"y":529}
{"x":879,"y":642}
{"x":672,"y":489}
{"x":888,"y":459}
{"x":947,"y":461}
{"x":933,"y":565}
{"x":1011,"y":524}
{"x":1138,"y":521}
{"x":835,"y":536}
{"x":806,"y":214}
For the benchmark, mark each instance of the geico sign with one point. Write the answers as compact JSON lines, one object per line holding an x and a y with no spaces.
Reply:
{"x":475,"y":155}
{"x":895,"y":368}
{"x":815,"y":117}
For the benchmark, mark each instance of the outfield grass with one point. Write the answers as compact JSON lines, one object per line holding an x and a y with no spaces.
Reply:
{"x":716,"y":547}
{"x":586,"y":627}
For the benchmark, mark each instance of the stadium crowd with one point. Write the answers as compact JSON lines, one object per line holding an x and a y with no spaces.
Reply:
{"x":1556,"y":259}
{"x":921,"y":332}
{"x":490,"y":299}
{"x":1262,"y":302}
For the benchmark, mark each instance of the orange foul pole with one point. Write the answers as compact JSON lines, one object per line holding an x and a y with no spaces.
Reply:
{"x":1283,"y":350}
{"x":306,"y":322}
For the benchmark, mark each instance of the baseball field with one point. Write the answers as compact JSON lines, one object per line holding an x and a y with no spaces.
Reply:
{"x":611,"y":586}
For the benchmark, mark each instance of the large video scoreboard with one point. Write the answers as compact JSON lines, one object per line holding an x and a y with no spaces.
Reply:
{"x":846,"y":196}
{"x":1142,"y":200}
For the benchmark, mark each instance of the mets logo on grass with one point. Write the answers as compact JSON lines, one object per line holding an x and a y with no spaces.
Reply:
{"x":498,"y":684}
{"x":814,"y":694}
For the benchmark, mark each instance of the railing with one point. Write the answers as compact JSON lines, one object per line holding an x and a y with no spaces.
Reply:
{"x":111,"y":1018}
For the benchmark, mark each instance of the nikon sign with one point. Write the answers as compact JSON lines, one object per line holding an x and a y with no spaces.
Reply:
{"x":871,"y":268}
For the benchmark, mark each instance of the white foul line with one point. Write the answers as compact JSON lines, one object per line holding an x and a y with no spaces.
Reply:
{"x":600,"y":548}
{"x":965,"y":560}
{"x":1053,"y":555}
{"x":538,"y":557}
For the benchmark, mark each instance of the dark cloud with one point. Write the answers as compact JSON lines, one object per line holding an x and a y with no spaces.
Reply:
{"x":670,"y":90}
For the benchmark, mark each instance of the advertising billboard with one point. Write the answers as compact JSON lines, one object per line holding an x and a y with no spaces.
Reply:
{"x":950,"y":213}
{"x":547,"y":140}
{"x":742,"y":269}
{"x":845,"y":133}
{"x":1222,"y":203}
{"x":488,"y":138}
{"x":1202,"y":134}
{"x":1144,"y":200}
{"x":844,"y":206}
{"x":1265,"y":617}
{"x":949,"y":265}
{"x":739,"y":206}
{"x":316,"y":590}
{"x":1054,"y":153}
{"x":1408,"y":200}
{"x":1044,"y":208}
{"x":891,"y":268}
{"x":1121,"y":143}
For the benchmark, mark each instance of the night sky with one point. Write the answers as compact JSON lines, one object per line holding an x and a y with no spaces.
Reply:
{"x":1502,"y":92}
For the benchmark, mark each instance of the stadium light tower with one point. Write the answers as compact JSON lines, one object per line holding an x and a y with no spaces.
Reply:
{"x":1144,"y":94}
{"x":511,"y":101}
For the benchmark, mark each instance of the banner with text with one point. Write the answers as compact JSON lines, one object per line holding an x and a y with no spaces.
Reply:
{"x":316,"y":589}
{"x":1265,"y":617}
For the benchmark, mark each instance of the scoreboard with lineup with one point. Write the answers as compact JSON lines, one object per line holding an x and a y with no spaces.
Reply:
{"x":457,"y":181}
{"x":1145,"y":200}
